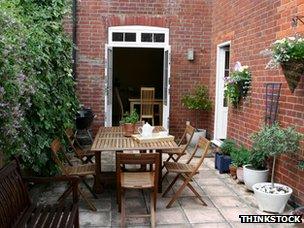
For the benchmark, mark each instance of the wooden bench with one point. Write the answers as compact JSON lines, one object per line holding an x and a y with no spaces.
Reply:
{"x":18,"y":210}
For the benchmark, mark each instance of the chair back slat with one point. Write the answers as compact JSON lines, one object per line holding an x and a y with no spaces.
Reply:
{"x":73,"y":143}
{"x":56,"y":148}
{"x":138,"y":159}
{"x":14,"y":196}
{"x":189,"y":131}
{"x":204,"y":145}
{"x":147,"y":95}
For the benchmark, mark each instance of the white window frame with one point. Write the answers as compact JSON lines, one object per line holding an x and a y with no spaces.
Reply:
{"x":138,"y":44}
{"x":138,"y":30}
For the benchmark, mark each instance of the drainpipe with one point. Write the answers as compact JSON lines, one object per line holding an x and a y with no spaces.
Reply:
{"x":74,"y":37}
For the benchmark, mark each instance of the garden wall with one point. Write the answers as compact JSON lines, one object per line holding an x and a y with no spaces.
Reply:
{"x":190,"y":27}
{"x":251,"y":26}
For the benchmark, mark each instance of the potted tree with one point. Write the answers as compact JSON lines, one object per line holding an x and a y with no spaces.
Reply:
{"x":222,"y":158}
{"x":239,"y":158}
{"x":289,"y":54}
{"x":199,"y":101}
{"x":128,"y":123}
{"x":274,"y":140}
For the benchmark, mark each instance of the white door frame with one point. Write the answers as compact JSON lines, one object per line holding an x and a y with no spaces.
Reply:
{"x":138,"y":44}
{"x":220,"y":61}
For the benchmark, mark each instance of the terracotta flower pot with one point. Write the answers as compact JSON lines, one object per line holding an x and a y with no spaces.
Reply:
{"x":293,"y":70}
{"x":232,"y":170}
{"x":128,"y":129}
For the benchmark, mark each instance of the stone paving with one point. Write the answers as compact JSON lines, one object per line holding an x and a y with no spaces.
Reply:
{"x":225,"y":199}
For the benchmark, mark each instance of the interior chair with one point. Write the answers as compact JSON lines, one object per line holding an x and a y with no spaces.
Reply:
{"x":69,"y":170}
{"x":116,"y":91}
{"x":176,"y":154}
{"x":137,"y":180}
{"x":147,"y":95}
{"x":186,"y":171}
{"x":84,"y":154}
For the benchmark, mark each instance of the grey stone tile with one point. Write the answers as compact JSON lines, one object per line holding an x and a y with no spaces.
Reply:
{"x":227,"y":201}
{"x":231,"y":214}
{"x":101,"y":204}
{"x":170,"y":216}
{"x":243,"y":225}
{"x":206,"y":215}
{"x":202,"y":181}
{"x":216,"y":190}
{"x":194,"y":202}
{"x":99,"y":218}
{"x":211,"y":225}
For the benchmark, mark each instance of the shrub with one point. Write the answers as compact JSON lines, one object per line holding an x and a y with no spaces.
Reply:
{"x":240,"y":156}
{"x":37,"y":95}
{"x":228,"y":147}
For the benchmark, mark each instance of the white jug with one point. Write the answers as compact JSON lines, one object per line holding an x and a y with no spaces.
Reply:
{"x":146,"y":130}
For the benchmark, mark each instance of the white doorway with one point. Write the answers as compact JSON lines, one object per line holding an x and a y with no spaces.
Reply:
{"x":137,"y":37}
{"x":221,"y":103}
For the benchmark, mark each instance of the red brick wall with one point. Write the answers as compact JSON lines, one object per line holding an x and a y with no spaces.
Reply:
{"x":190,"y":27}
{"x":252,"y":26}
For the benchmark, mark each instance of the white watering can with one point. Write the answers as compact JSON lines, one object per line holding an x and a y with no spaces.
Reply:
{"x":146,"y":130}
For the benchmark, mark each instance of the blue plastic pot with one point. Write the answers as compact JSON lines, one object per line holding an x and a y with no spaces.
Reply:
{"x":223,"y":162}
{"x":217,"y":154}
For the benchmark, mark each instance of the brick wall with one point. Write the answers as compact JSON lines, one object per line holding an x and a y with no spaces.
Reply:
{"x":252,"y":26}
{"x":190,"y":27}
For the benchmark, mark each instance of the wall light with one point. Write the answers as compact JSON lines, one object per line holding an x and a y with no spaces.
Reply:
{"x":190,"y":54}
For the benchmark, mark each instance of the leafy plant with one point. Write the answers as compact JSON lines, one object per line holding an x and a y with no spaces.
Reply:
{"x":37,"y":94}
{"x":198,"y":101}
{"x":284,"y":50}
{"x":240,"y":156}
{"x":237,"y":84}
{"x":272,"y":141}
{"x":228,"y":147}
{"x":130,"y":118}
{"x":301,"y":165}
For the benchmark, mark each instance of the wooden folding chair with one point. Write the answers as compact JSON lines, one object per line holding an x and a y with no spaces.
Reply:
{"x":147,"y":103}
{"x":137,"y":180}
{"x":175,"y":154}
{"x":186,"y":171}
{"x":85,"y":155}
{"x":80,"y":170}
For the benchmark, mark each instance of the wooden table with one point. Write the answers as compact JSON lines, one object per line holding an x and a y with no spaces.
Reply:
{"x":137,"y":101}
{"x":112,"y":139}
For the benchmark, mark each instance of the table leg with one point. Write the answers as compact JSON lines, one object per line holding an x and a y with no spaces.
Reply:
{"x":160,"y":172}
{"x":98,"y":188}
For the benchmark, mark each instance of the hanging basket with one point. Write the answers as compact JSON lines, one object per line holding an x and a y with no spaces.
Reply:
{"x":293,"y":70}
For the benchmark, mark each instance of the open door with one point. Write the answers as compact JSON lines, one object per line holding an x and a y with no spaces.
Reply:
{"x":221,"y":103}
{"x":108,"y":85}
{"x":166,"y":88}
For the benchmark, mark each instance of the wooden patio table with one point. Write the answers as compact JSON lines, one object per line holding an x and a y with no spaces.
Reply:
{"x":112,"y":139}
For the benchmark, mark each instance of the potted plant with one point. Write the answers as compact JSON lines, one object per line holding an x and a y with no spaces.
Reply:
{"x":274,"y":141}
{"x":289,"y":54}
{"x":128,"y":123}
{"x":222,"y":158}
{"x":237,"y":84}
{"x":256,"y":170}
{"x":199,"y":101}
{"x":239,"y":158}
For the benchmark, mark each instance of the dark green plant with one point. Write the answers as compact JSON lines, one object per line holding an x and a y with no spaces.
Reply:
{"x":37,"y":94}
{"x":130,"y":118}
{"x":301,"y":165}
{"x":273,"y":140}
{"x":240,"y":156}
{"x":228,"y":147}
{"x":198,"y":101}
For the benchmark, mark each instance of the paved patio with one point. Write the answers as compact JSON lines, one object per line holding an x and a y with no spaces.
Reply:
{"x":225,"y":199}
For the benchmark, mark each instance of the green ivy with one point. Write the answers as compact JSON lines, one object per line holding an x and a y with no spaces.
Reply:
{"x":37,"y":94}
